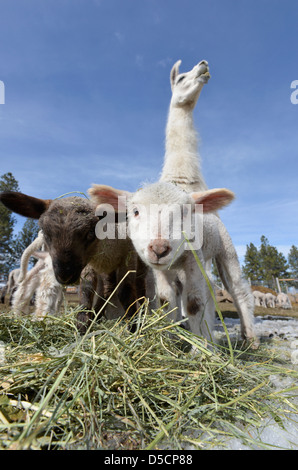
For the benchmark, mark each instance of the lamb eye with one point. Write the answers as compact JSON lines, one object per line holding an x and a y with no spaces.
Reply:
{"x":135,"y":212}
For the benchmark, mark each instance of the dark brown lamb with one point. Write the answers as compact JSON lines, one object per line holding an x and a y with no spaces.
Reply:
{"x":68,"y":226}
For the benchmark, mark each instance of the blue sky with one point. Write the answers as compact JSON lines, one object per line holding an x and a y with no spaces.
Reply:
{"x":87,"y":94}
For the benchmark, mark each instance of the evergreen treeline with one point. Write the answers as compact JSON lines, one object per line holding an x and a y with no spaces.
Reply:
{"x":11,"y":245}
{"x":262,"y":265}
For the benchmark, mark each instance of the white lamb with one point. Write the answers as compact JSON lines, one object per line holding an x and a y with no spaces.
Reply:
{"x":260,"y":298}
{"x":270,"y":300}
{"x":283,"y":301}
{"x":49,"y":294}
{"x":26,"y":289}
{"x":12,"y":283}
{"x":39,"y":280}
{"x":165,"y":251}
{"x":28,"y":281}
{"x":37,"y":244}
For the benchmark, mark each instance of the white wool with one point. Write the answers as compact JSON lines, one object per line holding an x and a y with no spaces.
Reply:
{"x":181,"y":264}
{"x":39,"y":280}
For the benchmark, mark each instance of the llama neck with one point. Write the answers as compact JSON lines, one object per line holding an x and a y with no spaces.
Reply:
{"x":182,"y":163}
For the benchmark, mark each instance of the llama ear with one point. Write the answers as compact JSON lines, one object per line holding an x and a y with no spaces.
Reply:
{"x":213,"y":199}
{"x":174,"y":72}
{"x":22,"y":204}
{"x":102,"y":194}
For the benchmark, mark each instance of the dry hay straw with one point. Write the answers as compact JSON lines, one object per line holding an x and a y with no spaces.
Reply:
{"x":160,"y":386}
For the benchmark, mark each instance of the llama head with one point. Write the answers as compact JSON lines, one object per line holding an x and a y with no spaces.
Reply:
{"x":186,"y":87}
{"x":68,"y":227}
{"x":161,"y":217}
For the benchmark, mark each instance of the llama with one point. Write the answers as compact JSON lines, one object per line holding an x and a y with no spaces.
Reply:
{"x":181,"y":162}
{"x":172,"y":261}
{"x":68,"y":227}
{"x":182,"y":167}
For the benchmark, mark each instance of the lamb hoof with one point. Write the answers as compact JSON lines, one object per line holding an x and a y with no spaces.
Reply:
{"x":38,"y":318}
{"x":253,"y":343}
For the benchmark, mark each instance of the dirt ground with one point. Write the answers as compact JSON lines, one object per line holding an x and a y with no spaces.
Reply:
{"x":228,"y":309}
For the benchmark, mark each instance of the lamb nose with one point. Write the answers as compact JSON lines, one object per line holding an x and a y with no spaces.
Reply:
{"x":160,"y":248}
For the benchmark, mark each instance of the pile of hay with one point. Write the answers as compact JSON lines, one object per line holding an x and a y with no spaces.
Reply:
{"x":113,"y":389}
{"x":264,"y":289}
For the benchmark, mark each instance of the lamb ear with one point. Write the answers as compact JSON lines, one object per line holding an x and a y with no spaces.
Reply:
{"x":213,"y":199}
{"x":174,"y":72}
{"x":102,"y":194}
{"x":22,"y":204}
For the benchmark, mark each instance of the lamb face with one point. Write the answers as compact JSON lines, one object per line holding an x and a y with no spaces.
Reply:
{"x":161,"y":217}
{"x":186,"y":87}
{"x":68,"y":227}
{"x":69,"y":232}
{"x":156,"y":227}
{"x":156,"y":217}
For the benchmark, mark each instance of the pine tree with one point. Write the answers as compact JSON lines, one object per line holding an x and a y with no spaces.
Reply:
{"x":263,"y":265}
{"x":252,"y":264}
{"x":7,"y":222}
{"x":293,"y":262}
{"x":23,"y":239}
{"x":273,"y":263}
